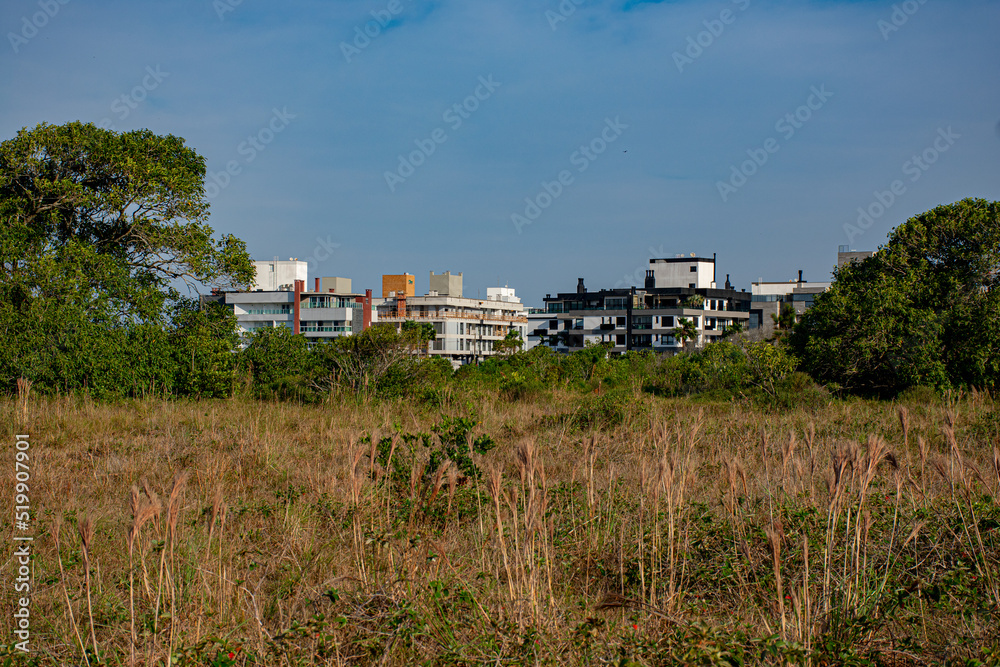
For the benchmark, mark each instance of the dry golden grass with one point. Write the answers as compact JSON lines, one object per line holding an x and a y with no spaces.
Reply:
{"x":272,"y":532}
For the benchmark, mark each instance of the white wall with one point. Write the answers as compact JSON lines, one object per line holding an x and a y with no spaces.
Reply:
{"x":678,"y":273}
{"x":273,"y":275}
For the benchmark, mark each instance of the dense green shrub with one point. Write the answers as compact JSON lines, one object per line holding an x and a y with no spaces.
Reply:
{"x":412,"y":377}
{"x":277,"y":361}
{"x":724,"y":369}
{"x":920,"y":395}
{"x":797,"y":390}
{"x":608,"y":410}
{"x":203,"y":344}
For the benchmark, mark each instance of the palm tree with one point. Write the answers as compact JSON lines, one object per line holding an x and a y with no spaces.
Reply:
{"x":685,"y":330}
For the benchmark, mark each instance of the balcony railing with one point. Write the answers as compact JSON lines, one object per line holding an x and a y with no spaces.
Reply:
{"x":314,"y":329}
{"x":416,"y":315}
{"x":268,"y":311}
{"x":353,"y":305}
{"x":557,"y":310}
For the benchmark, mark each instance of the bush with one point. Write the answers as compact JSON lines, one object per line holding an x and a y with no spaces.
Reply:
{"x":204,"y":341}
{"x":519,"y":385}
{"x":277,"y":361}
{"x":458,"y":445}
{"x":377,"y":363}
{"x":629,"y":371}
{"x":723,"y":370}
{"x":919,"y":395}
{"x":798,"y":390}
{"x":608,"y":410}
{"x":720,"y":369}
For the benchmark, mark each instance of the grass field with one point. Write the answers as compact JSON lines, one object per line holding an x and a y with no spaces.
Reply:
{"x":567,"y":528}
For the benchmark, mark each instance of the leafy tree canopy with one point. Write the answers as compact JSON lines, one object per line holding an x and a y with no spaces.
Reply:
{"x":96,"y":227}
{"x":122,"y":214}
{"x":924,"y":310}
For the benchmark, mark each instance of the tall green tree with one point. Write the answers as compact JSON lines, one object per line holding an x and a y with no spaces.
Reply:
{"x":924,"y":310}
{"x":135,"y":197}
{"x":97,"y":229}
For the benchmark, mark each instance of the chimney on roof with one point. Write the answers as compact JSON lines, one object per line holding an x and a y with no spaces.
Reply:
{"x":580,"y":289}
{"x":728,"y":286}
{"x":650,"y":279}
{"x":800,"y":275}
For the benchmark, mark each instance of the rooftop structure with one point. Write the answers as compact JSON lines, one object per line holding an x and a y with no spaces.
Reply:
{"x":846,"y":254}
{"x":400,"y":284}
{"x":445,"y":284}
{"x":275,"y":275}
{"x":684,"y":271}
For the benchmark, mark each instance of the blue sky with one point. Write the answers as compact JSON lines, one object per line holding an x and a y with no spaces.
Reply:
{"x":636,"y":128}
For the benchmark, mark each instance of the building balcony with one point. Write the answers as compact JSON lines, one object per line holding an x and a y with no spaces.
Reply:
{"x":305,"y":328}
{"x":429,"y":317}
{"x":266,"y":311}
{"x":330,"y":305}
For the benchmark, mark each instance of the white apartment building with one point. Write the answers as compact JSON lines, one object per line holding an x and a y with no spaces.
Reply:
{"x":331,"y":309}
{"x":466,"y":329}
